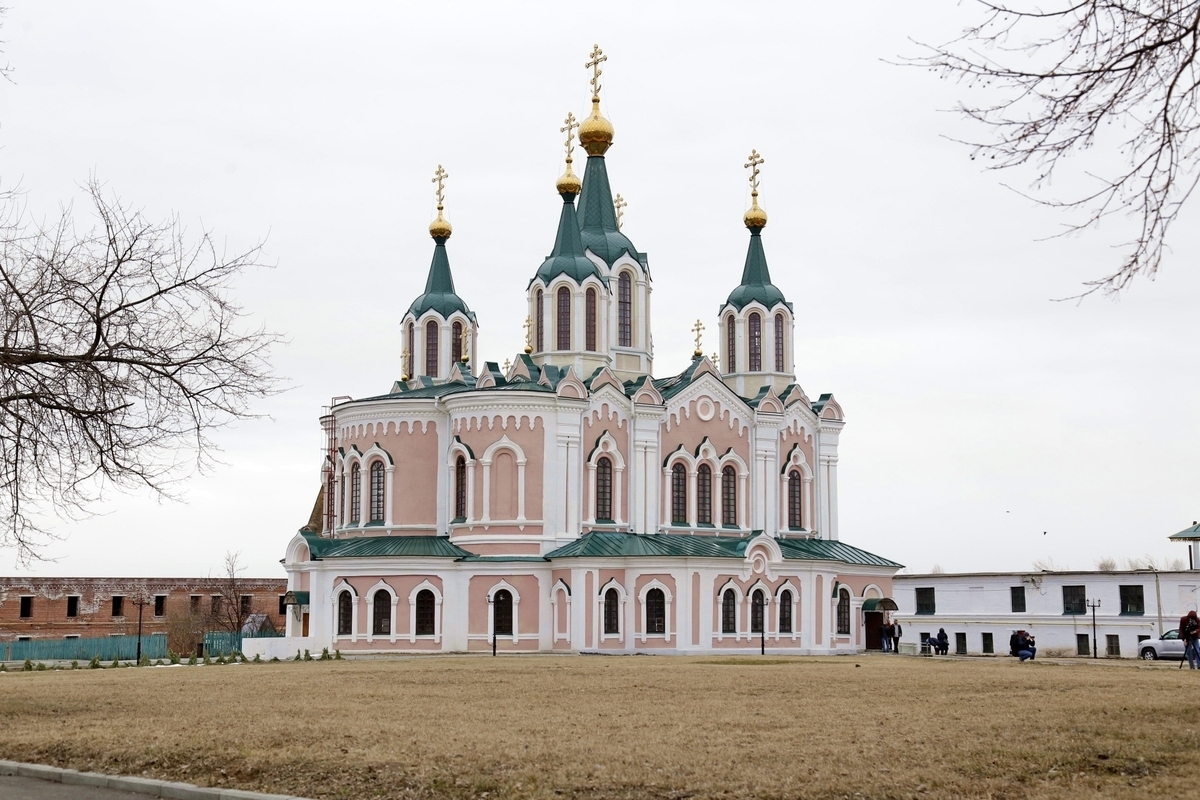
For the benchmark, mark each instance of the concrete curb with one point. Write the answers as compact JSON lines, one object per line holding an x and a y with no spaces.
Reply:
{"x":154,"y":788}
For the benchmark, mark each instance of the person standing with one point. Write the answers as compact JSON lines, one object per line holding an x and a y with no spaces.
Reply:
{"x":885,"y":636}
{"x":897,"y":631}
{"x":1189,"y":632}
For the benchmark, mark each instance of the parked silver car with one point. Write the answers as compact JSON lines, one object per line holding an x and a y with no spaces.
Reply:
{"x":1169,"y":645}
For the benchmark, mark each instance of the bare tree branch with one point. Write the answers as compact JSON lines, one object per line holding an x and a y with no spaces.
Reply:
{"x":1084,"y":74}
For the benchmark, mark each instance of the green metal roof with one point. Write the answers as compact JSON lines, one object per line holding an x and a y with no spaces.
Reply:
{"x":383,"y":546}
{"x":439,"y":293}
{"x":826,"y":550}
{"x":598,"y":218}
{"x":880,"y":604}
{"x":756,"y":279}
{"x":567,"y":257}
{"x":603,"y":544}
{"x":1187,"y":534}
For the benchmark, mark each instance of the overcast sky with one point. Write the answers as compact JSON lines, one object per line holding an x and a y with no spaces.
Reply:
{"x":987,"y":425}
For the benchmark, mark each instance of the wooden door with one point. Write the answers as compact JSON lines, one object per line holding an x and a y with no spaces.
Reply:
{"x":873,"y":620}
{"x":305,"y":624}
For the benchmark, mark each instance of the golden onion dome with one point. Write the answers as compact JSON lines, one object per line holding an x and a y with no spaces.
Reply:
{"x":755,"y":217}
{"x":568,"y":182}
{"x":440,"y":228}
{"x":596,"y":133}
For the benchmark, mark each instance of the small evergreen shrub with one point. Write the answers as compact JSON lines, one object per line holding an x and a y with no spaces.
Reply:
{"x":257,"y":659}
{"x":307,"y":656}
{"x":144,"y":661}
{"x":274,"y":659}
{"x":74,"y":665}
{"x":95,"y":663}
{"x":337,"y":655}
{"x":115,"y":664}
{"x":325,"y":654}
{"x":41,"y":667}
{"x":192,"y":660}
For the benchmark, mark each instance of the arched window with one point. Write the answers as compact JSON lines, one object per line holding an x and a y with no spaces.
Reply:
{"x":381,"y":614}
{"x":729,"y":612}
{"x":409,"y":356}
{"x":431,"y":348}
{"x":460,"y":489}
{"x":756,"y":611}
{"x":779,"y":343}
{"x":589,"y":307}
{"x":679,"y":514}
{"x":624,"y":310}
{"x":729,"y":496}
{"x":785,"y":611}
{"x":377,"y":491}
{"x":426,"y":609}
{"x":843,"y":612}
{"x":754,"y":322}
{"x":730,"y":345}
{"x":355,"y":493}
{"x":564,"y":318}
{"x":604,"y":510}
{"x":502,"y":613}
{"x":345,"y":613}
{"x":795,"y":487}
{"x":612,"y":612}
{"x":704,"y":495}
{"x":456,"y":342}
{"x":541,"y":321}
{"x":656,"y":611}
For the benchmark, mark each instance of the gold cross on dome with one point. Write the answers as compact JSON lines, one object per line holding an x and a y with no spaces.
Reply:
{"x":466,"y":345}
{"x":507,"y":365}
{"x":404,"y":359}
{"x":716,"y":360}
{"x":569,"y":126}
{"x":598,"y":58}
{"x":698,"y":329}
{"x":619,"y":205}
{"x":439,"y":178}
{"x":529,"y":334}
{"x":752,"y":165}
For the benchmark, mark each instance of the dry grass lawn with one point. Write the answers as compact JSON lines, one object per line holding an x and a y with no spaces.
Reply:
{"x":597,"y":727}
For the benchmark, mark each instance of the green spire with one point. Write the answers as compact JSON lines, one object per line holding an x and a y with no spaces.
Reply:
{"x":567,"y":258}
{"x":756,"y":279}
{"x":598,"y":219}
{"x":439,"y":287}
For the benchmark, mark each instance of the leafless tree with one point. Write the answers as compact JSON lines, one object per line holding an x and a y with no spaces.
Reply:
{"x":234,"y":608}
{"x":120,"y":353}
{"x":1121,"y":75}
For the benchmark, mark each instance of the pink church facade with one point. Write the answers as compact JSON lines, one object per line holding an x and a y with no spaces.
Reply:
{"x":572,"y":501}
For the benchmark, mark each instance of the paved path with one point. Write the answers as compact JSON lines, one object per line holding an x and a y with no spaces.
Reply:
{"x":16,"y":788}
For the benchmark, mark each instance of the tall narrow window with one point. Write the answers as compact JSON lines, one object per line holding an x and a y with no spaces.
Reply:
{"x":754,"y":322}
{"x":624,"y":310}
{"x":795,"y":487}
{"x":729,"y":496}
{"x":355,"y":493}
{"x":589,"y":307}
{"x":604,"y":510}
{"x":460,"y":489}
{"x":843,"y":612}
{"x":381,"y":614}
{"x":779,"y":343}
{"x":564,"y":318}
{"x":377,"y":491}
{"x":730,"y":344}
{"x":729,"y":612}
{"x":785,"y":611}
{"x":456,"y":342}
{"x":502,"y":622}
{"x":679,"y":495}
{"x":431,"y":349}
{"x":541,"y":321}
{"x":757,"y":601}
{"x":656,"y":611}
{"x":612,"y":612}
{"x":426,"y":609}
{"x":408,"y":358}
{"x":704,"y":495}
{"x":345,"y":613}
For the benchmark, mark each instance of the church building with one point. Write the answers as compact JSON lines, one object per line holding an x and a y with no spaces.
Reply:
{"x":571,"y":500}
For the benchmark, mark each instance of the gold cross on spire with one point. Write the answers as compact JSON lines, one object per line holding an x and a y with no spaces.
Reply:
{"x":569,"y":126}
{"x":439,"y":178}
{"x":404,"y":360}
{"x":698,"y":329}
{"x":529,"y":334}
{"x":466,"y":345}
{"x":752,"y":165}
{"x":619,"y":206}
{"x":598,"y":58}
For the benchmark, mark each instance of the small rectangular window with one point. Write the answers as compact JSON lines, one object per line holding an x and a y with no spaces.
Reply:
{"x":160,"y":605}
{"x":1018,"y":599}
{"x":1143,"y":637}
{"x":1114,"y":643}
{"x":246,"y":600}
{"x":923,"y":638}
{"x":1074,"y":600}
{"x":118,"y":605}
{"x":1083,"y":647}
{"x":215,"y":604}
{"x":73,"y":606}
{"x":26,"y":607}
{"x":195,"y":603}
{"x":988,"y":646}
{"x":24,"y":638}
{"x":960,"y":644}
{"x":1133,"y":601}
{"x":925,"y":601}
{"x":283,"y":605}
{"x":71,"y":636}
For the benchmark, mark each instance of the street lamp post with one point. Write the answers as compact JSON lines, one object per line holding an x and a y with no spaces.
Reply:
{"x":1093,"y":605}
{"x":140,"y":602}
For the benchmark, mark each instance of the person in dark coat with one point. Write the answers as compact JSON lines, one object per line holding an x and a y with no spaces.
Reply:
{"x":1012,"y":643}
{"x":1026,"y":647}
{"x":896,"y":632}
{"x":885,"y":636}
{"x":943,"y":642}
{"x":1189,"y":632}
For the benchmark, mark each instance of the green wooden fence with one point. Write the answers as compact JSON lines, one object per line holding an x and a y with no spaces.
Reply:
{"x":223,"y":643}
{"x":108,"y":648}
